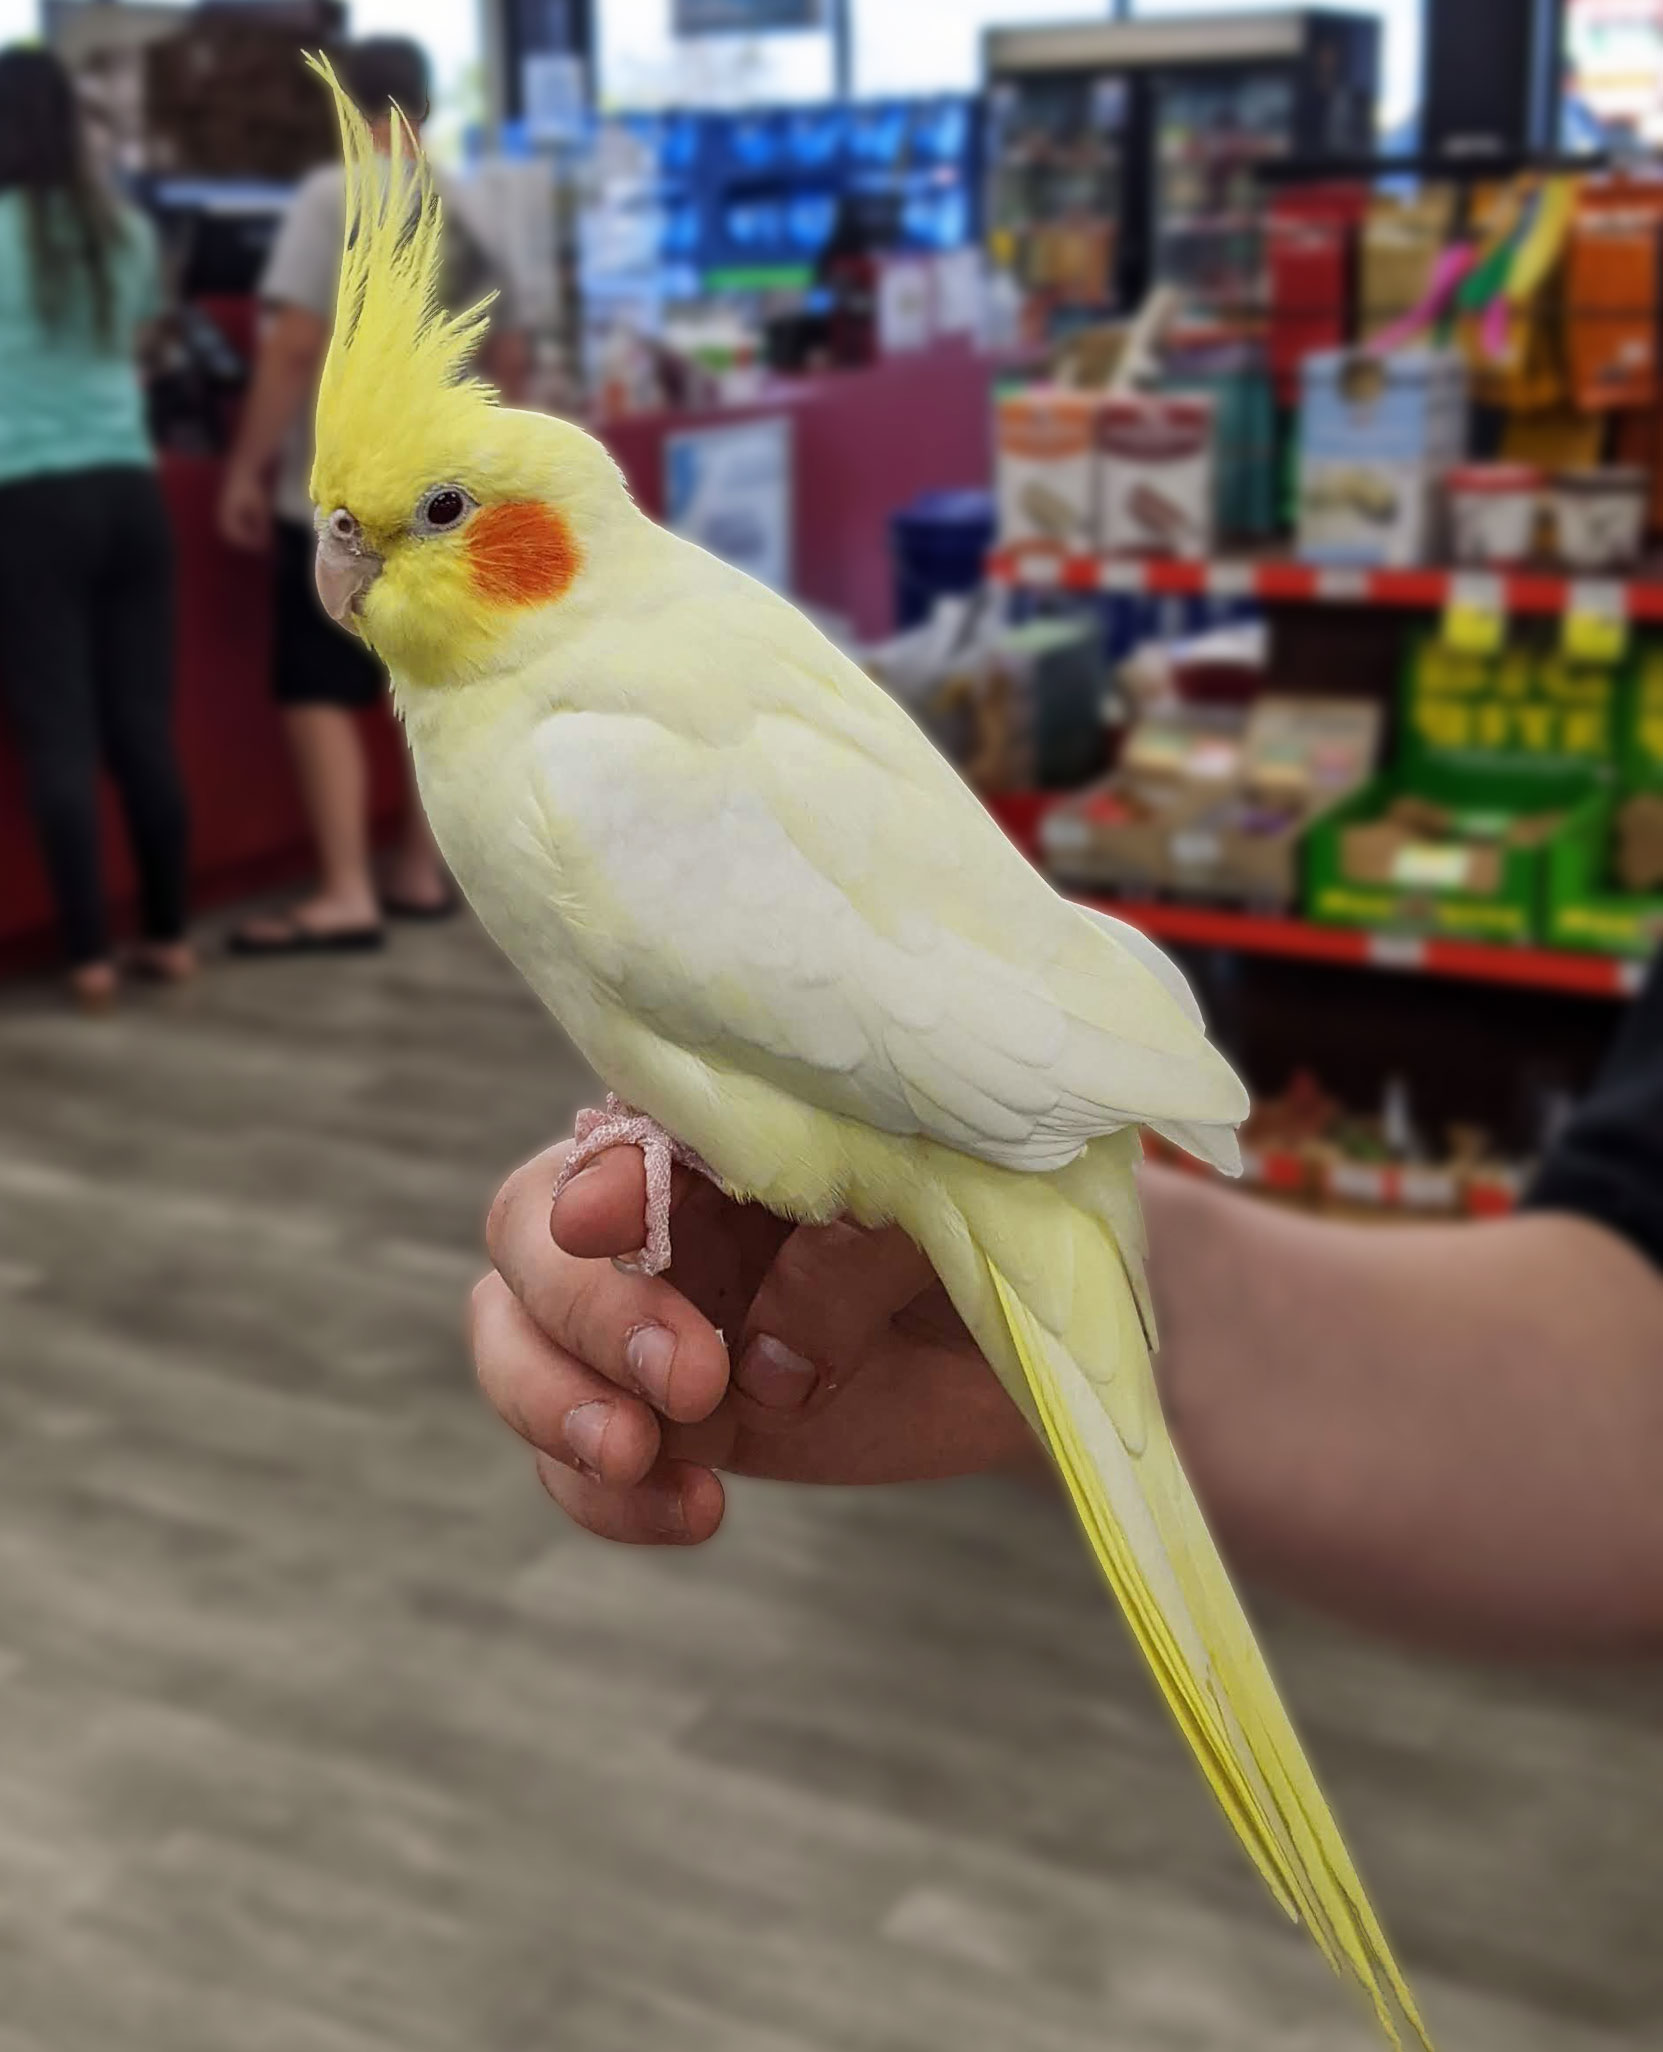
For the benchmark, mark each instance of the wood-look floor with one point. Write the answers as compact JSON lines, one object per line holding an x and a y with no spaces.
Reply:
{"x":319,"y":1732}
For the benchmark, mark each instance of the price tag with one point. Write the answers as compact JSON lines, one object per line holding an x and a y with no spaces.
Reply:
{"x":1475,"y":616}
{"x":1121,"y":573}
{"x":1231,"y":580}
{"x":1595,"y":626}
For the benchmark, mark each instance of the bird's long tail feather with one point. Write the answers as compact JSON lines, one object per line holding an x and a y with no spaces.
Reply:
{"x":1102,"y":1424}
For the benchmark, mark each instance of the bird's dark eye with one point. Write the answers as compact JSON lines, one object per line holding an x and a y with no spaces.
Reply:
{"x":445,"y":507}
{"x":342,"y":525}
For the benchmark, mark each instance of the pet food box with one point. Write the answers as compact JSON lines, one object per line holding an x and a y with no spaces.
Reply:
{"x":1156,"y":487}
{"x":1211,"y":810}
{"x":1605,"y":869}
{"x":1497,"y":758}
{"x":1128,"y":830}
{"x":1046,"y":468}
{"x":1376,"y":435}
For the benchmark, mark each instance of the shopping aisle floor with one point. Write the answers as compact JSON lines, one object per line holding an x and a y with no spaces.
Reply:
{"x":319,"y":1732}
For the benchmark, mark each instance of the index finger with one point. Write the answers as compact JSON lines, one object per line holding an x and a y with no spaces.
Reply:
{"x":638,"y":1331}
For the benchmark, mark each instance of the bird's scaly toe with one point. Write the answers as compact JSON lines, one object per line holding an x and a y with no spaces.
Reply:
{"x":620,"y":1125}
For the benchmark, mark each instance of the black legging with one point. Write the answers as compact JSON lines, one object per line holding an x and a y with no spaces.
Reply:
{"x":86,"y":673}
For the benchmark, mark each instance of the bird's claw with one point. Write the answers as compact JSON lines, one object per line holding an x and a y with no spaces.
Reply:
{"x":620,"y":1125}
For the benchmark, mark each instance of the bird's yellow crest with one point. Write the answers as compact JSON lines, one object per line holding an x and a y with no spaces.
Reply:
{"x":397,"y":373}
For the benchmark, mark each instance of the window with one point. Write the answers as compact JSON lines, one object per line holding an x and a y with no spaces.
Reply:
{"x":1400,"y":44}
{"x":935,"y":46}
{"x":641,"y":62}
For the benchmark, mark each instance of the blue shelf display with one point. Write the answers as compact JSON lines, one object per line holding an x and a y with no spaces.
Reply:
{"x":754,"y":197}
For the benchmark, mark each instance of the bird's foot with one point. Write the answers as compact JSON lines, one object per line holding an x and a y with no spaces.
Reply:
{"x":621,"y":1125}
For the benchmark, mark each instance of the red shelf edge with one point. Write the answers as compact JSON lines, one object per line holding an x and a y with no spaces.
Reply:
{"x":1363,"y":947}
{"x":1286,"y":581}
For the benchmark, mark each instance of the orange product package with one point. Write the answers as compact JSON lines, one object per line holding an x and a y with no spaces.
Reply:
{"x":1612,"y":297}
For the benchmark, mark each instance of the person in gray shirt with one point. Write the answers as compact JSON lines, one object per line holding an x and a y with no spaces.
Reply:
{"x":322,"y":679}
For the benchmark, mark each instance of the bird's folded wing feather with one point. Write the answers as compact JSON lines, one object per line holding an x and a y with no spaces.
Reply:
{"x":833,"y":911}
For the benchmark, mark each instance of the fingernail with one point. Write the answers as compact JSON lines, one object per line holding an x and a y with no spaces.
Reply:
{"x":585,"y":1433}
{"x":649,"y":1354}
{"x":672,"y":1517}
{"x":770,"y":1373}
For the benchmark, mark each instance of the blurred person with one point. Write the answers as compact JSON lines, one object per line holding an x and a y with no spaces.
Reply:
{"x":323,"y":678}
{"x":1447,"y":1432}
{"x":86,"y":559}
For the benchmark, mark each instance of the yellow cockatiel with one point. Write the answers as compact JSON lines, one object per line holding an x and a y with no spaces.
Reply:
{"x":775,"y":921}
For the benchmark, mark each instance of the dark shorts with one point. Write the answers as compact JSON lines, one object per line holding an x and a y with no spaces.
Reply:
{"x":314,"y":662}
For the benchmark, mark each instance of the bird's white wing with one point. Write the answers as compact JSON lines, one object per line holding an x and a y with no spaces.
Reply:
{"x":858,"y":931}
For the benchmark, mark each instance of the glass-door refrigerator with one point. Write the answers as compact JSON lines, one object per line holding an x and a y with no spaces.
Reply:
{"x":1125,"y":154}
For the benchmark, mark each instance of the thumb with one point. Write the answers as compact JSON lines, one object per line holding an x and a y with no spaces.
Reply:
{"x":832,"y":1290}
{"x":603,"y":1210}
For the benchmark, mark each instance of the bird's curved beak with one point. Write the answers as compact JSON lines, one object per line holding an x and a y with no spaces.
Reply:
{"x":344,"y":572}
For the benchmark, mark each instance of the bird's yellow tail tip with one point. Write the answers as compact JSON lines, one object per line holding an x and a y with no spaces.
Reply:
{"x":1153,"y":1547}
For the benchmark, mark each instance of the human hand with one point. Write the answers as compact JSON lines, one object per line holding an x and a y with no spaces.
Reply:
{"x":848,"y":1362}
{"x":245,"y":513}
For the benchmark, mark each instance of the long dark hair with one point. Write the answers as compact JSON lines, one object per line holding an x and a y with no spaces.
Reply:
{"x":73,"y":222}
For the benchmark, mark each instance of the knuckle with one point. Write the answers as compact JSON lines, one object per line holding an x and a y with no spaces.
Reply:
{"x":484,"y":1307}
{"x":579,"y":1311}
{"x":806,"y":1261}
{"x":531,"y":1184}
{"x":500,"y":1216}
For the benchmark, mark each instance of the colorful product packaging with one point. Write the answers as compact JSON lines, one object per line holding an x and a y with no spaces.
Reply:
{"x":1046,"y":468}
{"x":1497,"y":757}
{"x":1311,"y":252}
{"x":1494,"y":512}
{"x":1156,"y":481}
{"x":1377,"y":434}
{"x":1612,"y":297}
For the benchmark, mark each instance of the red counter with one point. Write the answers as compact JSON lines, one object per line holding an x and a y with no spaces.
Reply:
{"x":865,"y":443}
{"x":247,"y":831}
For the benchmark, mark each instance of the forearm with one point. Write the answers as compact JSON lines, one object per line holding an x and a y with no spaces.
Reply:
{"x":284,"y":374}
{"x":506,"y":362}
{"x":1454,"y":1432}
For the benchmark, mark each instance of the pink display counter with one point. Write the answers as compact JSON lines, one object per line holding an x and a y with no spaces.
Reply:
{"x":866,"y":443}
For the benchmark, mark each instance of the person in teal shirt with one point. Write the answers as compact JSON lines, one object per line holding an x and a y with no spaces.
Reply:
{"x":86,"y":560}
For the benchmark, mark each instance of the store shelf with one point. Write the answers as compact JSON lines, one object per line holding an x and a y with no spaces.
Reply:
{"x":1302,"y":940}
{"x":1279,"y":581}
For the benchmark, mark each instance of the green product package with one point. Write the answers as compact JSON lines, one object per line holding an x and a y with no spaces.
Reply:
{"x":1605,"y":870}
{"x":1496,"y":757}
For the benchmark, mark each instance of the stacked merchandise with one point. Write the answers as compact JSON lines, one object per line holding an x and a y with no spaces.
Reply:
{"x":1304,"y":1147}
{"x":1605,"y":874}
{"x":1498,"y":759}
{"x":1015,"y":704}
{"x":1537,"y":301}
{"x":749,"y":201}
{"x":1376,"y":434}
{"x":1216,"y":801}
{"x":1130,"y":473}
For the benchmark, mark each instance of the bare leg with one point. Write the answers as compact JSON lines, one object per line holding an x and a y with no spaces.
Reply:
{"x":334,"y":782}
{"x":415,"y":873}
{"x":620,"y":1125}
{"x":334,"y":785}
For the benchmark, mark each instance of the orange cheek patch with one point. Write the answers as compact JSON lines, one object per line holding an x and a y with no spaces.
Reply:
{"x":521,"y":555}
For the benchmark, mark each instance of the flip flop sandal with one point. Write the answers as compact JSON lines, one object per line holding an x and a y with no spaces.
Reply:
{"x":304,"y":940}
{"x":446,"y":907}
